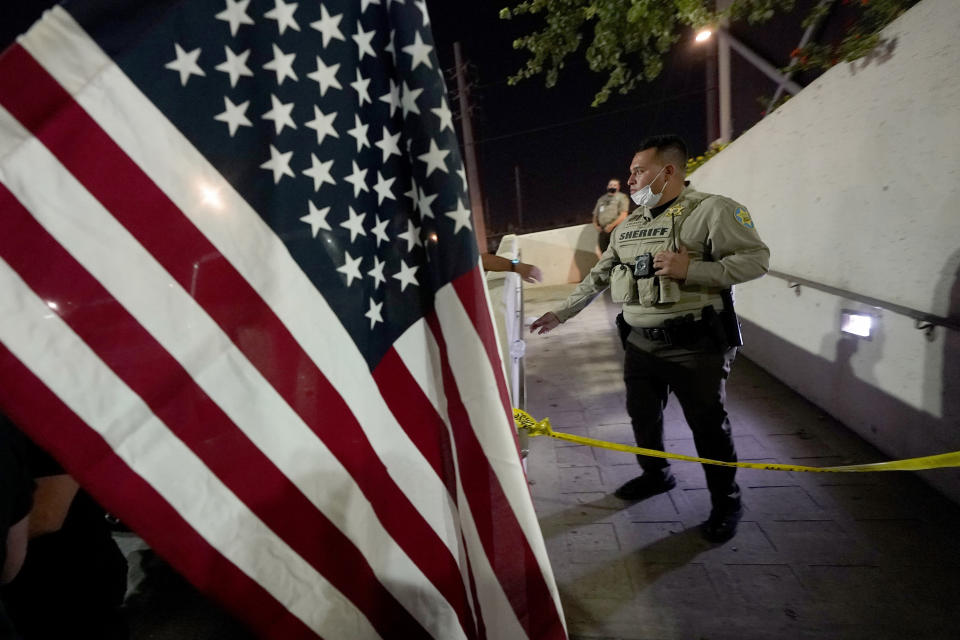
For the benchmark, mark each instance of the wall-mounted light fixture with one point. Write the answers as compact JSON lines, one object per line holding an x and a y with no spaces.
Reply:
{"x":857,"y":323}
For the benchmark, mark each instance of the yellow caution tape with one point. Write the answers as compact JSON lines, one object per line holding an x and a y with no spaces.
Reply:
{"x":533,"y":427}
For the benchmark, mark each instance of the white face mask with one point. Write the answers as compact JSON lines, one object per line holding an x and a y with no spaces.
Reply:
{"x":645,"y":197}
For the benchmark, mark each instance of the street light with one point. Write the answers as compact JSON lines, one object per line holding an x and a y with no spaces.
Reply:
{"x":701,"y":39}
{"x":717,"y":57}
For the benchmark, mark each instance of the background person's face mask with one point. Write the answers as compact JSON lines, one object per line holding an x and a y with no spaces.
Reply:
{"x":645,"y":197}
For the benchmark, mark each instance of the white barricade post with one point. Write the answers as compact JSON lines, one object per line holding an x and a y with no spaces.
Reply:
{"x":506,"y":298}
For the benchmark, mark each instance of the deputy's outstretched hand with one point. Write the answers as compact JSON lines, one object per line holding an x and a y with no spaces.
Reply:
{"x":547,"y":322}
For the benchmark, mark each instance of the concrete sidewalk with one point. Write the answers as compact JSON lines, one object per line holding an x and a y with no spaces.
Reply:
{"x":817,"y":555}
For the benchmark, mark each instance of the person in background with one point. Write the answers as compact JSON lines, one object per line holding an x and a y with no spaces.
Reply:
{"x":16,"y":501}
{"x":611,"y":209}
{"x":74,"y":578}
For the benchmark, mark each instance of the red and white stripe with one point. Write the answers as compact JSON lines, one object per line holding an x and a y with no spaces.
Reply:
{"x":168,"y":350}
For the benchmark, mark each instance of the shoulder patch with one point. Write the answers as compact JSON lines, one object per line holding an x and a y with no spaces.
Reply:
{"x":743,"y":217}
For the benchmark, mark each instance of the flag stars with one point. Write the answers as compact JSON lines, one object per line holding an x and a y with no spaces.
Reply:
{"x":351,"y":268}
{"x":389,"y":144}
{"x":422,"y":6}
{"x":412,"y":192}
{"x":418,"y":52}
{"x":391,"y":48}
{"x":234,"y":115}
{"x":235,"y":14}
{"x":373,"y":313}
{"x":362,"y":86}
{"x":280,"y":114}
{"x":377,"y":273}
{"x":364,"y":41}
{"x":282,"y":65}
{"x":444,"y":114}
{"x":235,"y":65}
{"x":384,"y":188}
{"x":322,"y":123}
{"x":460,"y":217}
{"x":424,"y":203}
{"x":359,"y":133}
{"x":406,"y":275}
{"x":358,"y":179}
{"x":380,"y":232}
{"x":392,"y":97}
{"x":317,"y":219}
{"x":320,"y":172}
{"x":283,"y":14}
{"x":279,"y":163}
{"x":408,"y":100}
{"x":411,"y":236}
{"x":354,"y":224}
{"x":325,"y":77}
{"x":434,"y":158}
{"x":328,"y":26}
{"x":185,"y":64}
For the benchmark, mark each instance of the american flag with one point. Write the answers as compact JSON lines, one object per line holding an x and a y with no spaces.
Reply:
{"x":241,"y":304}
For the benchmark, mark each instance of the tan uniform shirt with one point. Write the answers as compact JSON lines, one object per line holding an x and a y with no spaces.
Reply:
{"x":724,"y":247}
{"x":609,"y":206}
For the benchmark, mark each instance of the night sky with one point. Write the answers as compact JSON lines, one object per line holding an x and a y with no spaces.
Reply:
{"x":565,"y":149}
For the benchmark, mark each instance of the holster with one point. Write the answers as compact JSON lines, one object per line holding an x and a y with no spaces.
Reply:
{"x":714,"y":327}
{"x":623,"y":329}
{"x":730,"y":321}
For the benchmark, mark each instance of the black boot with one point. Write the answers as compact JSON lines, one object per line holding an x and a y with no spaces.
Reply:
{"x":722,"y":523}
{"x":646,"y":486}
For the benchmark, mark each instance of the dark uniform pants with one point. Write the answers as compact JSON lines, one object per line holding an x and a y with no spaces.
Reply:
{"x":603,"y":240}
{"x":697,"y":375}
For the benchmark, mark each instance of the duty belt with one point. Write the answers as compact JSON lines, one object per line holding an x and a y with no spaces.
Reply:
{"x":686,"y":333}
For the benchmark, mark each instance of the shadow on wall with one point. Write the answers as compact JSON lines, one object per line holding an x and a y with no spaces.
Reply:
{"x":895,"y":421}
{"x":845,"y":349}
{"x":880,"y":54}
{"x":948,"y":385}
{"x":583,"y":260}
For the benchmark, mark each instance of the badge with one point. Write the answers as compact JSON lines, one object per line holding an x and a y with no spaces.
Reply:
{"x":675,"y":210}
{"x":743,"y":217}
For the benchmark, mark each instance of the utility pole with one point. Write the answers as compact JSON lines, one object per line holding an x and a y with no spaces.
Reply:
{"x":712,"y":133}
{"x":726,"y":111}
{"x":726,"y":42}
{"x":723,"y":61}
{"x":470,"y":153}
{"x":516,"y":179}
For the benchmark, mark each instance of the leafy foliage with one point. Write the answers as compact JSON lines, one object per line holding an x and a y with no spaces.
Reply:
{"x":861,"y":38}
{"x":695,"y":162}
{"x":627,"y":39}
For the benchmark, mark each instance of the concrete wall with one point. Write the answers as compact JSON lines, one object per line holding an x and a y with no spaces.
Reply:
{"x":854,"y":183}
{"x":564,"y":255}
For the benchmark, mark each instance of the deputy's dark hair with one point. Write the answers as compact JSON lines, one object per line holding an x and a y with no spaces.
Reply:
{"x":670,"y":148}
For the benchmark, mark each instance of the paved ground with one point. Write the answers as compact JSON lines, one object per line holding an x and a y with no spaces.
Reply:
{"x":817,"y":556}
